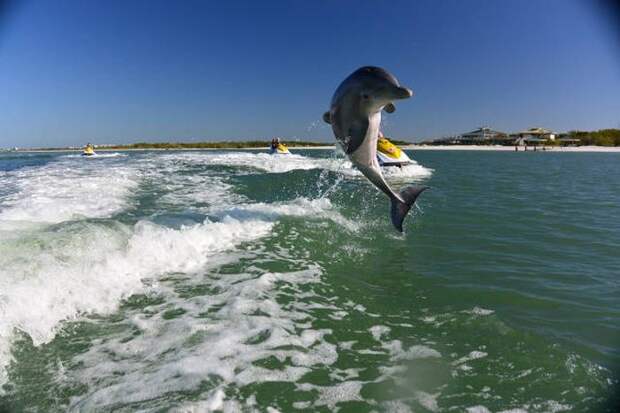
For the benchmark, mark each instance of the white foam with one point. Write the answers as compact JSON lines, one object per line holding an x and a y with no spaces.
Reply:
{"x":413,"y":171}
{"x":477,"y":409}
{"x":331,"y":395}
{"x":346,"y":374}
{"x":213,"y":403}
{"x":88,"y":267}
{"x":193,"y":190}
{"x":397,"y":352}
{"x":182,"y":182}
{"x":378,"y":331}
{"x":473,"y":355}
{"x":479,"y":311}
{"x":302,"y":405}
{"x":395,"y":406}
{"x":347,"y":345}
{"x":395,"y":347}
{"x":279,"y":164}
{"x":97,"y":155}
{"x":429,"y":401}
{"x":66,"y":190}
{"x":410,"y":172}
{"x":223,"y":345}
{"x":321,"y":208}
{"x":257,"y":161}
{"x":92,"y":272}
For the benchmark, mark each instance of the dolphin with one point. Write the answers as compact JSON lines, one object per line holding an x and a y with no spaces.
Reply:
{"x":355,"y":117}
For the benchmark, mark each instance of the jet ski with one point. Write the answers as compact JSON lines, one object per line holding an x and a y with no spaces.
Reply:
{"x":279,"y":149}
{"x":89,"y":150}
{"x":389,"y":154}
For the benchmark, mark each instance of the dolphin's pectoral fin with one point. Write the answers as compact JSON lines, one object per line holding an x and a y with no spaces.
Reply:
{"x":389,"y":108}
{"x":400,"y":208}
{"x":327,"y":117}
{"x":357,"y":134}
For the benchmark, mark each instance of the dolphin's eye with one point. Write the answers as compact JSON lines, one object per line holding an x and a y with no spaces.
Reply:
{"x":365,"y":96}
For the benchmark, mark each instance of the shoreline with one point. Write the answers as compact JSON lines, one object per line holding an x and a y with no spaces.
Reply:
{"x":498,"y":148}
{"x":552,"y":149}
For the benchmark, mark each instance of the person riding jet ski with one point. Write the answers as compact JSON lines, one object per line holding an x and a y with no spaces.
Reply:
{"x":89,"y":150}
{"x":278,"y":148}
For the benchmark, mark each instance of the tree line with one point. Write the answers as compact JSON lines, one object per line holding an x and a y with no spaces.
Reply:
{"x":601,"y":137}
{"x":208,"y":145}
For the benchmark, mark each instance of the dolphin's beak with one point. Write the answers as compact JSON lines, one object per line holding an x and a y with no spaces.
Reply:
{"x":403,"y":93}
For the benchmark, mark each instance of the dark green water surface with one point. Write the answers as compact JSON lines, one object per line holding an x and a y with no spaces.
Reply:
{"x":236,"y":281}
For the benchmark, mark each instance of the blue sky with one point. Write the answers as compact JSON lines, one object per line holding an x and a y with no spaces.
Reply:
{"x":126,"y":71}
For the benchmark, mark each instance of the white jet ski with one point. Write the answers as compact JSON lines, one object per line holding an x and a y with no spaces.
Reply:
{"x":389,"y":154}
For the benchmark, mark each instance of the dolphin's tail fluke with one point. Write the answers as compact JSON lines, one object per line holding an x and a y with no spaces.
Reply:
{"x":399,"y":208}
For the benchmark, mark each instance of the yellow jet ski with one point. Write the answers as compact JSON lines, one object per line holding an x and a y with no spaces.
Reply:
{"x":89,"y":150}
{"x":389,"y":154}
{"x":279,"y":149}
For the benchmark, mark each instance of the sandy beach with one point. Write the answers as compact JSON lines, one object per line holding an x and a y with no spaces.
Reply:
{"x":512,"y":148}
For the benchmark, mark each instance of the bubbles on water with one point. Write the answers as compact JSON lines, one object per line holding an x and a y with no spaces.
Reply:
{"x":64,"y":190}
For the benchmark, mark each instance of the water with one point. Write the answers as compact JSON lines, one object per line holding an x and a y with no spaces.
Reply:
{"x":236,"y":281}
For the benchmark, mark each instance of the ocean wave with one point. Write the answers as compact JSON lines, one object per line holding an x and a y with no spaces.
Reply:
{"x":88,"y":267}
{"x":286,"y":163}
{"x":320,"y":208}
{"x":62,"y":191}
{"x":181,"y":185}
{"x":256,"y":161}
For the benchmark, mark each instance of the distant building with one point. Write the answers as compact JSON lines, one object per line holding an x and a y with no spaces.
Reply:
{"x":483,"y":136}
{"x":487,"y":136}
{"x":534,"y":136}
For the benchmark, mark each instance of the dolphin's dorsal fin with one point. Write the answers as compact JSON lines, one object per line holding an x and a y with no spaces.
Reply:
{"x":389,"y":108}
{"x":327,"y":117}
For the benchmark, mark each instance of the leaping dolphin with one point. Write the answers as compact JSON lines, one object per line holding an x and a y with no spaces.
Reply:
{"x":355,"y":116}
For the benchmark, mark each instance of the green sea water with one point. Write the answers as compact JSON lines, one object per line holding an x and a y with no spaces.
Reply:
{"x":238,"y":281}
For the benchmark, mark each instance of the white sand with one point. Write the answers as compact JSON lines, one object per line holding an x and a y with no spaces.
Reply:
{"x":512,"y":148}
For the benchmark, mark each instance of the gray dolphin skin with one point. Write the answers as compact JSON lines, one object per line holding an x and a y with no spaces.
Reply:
{"x":355,"y":116}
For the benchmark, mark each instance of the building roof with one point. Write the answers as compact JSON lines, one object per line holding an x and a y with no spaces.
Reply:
{"x":536,"y":131}
{"x":483,"y":132}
